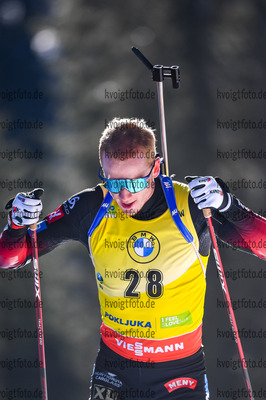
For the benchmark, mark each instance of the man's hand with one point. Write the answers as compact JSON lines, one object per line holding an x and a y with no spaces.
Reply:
{"x":26,"y":208}
{"x":207,"y":193}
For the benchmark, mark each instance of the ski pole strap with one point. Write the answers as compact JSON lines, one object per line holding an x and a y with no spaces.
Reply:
{"x":169,"y":193}
{"x":100,"y":214}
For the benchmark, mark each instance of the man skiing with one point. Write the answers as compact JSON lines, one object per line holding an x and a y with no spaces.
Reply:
{"x":151,"y":281}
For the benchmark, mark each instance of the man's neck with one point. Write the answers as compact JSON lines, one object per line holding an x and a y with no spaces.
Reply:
{"x":155,"y":206}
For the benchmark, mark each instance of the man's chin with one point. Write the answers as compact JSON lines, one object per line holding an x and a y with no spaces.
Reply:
{"x":129,"y":209}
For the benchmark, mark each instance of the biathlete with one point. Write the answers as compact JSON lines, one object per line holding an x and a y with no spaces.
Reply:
{"x":151,"y":281}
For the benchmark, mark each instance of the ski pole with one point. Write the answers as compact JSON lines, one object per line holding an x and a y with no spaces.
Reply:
{"x":39,"y":318}
{"x":207,"y":214}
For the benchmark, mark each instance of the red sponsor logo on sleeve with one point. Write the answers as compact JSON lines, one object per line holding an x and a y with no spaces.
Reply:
{"x":54,"y":216}
{"x":179,"y":383}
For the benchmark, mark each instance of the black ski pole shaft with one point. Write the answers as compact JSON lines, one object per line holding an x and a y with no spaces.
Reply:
{"x":207,"y":214}
{"x":39,"y":317}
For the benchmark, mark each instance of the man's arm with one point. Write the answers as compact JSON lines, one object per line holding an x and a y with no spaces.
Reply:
{"x":242,"y":228}
{"x":70,"y":221}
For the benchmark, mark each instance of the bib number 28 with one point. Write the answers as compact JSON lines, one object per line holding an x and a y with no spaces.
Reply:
{"x":154,"y":283}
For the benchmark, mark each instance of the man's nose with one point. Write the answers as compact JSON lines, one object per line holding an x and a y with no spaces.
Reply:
{"x":124,"y":194}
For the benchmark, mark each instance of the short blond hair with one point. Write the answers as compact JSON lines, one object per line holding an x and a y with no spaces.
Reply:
{"x":128,"y":138}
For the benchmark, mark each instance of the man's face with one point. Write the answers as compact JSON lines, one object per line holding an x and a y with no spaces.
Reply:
{"x":131,"y":168}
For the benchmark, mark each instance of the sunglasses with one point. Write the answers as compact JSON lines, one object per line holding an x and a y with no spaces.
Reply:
{"x":132,"y":185}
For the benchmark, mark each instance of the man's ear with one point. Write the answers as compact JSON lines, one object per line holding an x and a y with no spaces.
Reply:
{"x":156,"y":169}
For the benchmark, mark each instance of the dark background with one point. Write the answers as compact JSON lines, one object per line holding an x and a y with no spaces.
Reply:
{"x":73,"y":51}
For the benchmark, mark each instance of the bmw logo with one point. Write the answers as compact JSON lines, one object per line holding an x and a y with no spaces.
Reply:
{"x":143,"y":247}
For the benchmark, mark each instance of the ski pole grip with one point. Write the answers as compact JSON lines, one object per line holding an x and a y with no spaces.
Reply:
{"x":36,"y":194}
{"x":207,"y":212}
